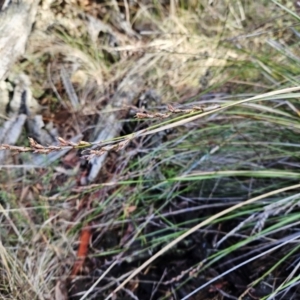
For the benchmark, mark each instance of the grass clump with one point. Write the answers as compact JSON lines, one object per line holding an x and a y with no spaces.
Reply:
{"x":198,"y":196}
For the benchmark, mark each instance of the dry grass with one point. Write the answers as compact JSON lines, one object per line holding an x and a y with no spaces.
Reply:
{"x":181,"y":52}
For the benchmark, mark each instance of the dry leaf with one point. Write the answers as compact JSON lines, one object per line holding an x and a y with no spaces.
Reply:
{"x":61,"y":291}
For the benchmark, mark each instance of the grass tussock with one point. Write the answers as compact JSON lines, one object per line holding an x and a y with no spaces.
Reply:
{"x":198,"y":196}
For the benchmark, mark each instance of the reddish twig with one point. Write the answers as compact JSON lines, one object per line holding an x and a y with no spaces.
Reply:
{"x":82,"y":250}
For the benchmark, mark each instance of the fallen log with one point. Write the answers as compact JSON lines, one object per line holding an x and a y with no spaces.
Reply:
{"x":16,"y":20}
